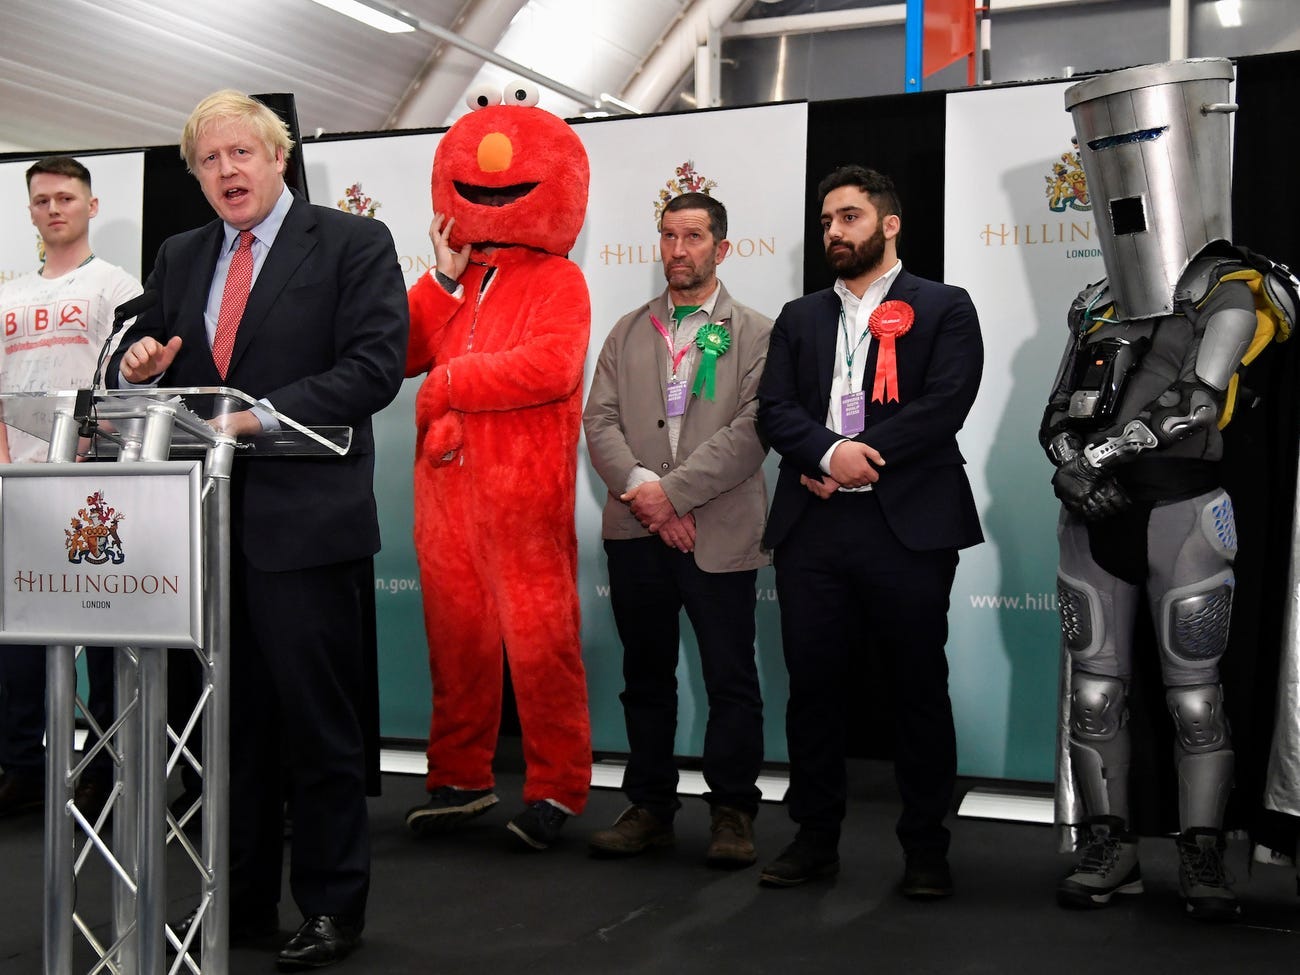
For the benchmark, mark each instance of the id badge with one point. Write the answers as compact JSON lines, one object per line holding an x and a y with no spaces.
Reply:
{"x":853,"y":413}
{"x":676,"y":397}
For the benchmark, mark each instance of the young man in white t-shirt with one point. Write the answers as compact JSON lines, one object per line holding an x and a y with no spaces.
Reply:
{"x":55,"y":320}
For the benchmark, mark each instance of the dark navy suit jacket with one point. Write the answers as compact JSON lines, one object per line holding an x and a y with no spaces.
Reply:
{"x":323,"y":339}
{"x":923,"y":490}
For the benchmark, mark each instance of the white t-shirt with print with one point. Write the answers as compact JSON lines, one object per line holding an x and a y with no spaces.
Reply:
{"x":53,"y":330}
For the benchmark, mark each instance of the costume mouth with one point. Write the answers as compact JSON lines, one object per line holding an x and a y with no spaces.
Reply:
{"x":493,"y":196}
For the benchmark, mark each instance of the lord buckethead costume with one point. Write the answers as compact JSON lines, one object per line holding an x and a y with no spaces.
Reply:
{"x":1133,"y":428}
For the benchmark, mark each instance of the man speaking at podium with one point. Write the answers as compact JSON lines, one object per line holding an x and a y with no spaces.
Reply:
{"x":304,"y":308}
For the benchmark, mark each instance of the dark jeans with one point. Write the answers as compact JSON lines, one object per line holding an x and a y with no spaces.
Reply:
{"x":847,"y":586}
{"x":22,"y":708}
{"x":649,"y":584}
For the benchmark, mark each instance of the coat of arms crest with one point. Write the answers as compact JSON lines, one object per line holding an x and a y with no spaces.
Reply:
{"x":93,"y":536}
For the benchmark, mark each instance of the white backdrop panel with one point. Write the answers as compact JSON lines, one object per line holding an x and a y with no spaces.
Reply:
{"x":116,"y":179}
{"x":1022,"y":262}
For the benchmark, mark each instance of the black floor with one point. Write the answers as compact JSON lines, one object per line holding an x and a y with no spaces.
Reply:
{"x":478,"y":902}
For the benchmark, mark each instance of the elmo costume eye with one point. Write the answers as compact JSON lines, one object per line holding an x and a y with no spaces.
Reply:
{"x":521,"y":93}
{"x":482,"y":96}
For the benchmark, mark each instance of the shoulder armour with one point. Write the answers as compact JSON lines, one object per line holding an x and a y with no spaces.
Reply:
{"x":1200,"y":277}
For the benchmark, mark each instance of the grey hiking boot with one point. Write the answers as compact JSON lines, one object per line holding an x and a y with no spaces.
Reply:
{"x":1108,"y":865}
{"x":1203,"y":881}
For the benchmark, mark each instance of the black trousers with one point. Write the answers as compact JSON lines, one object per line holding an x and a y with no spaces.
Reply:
{"x":296,"y":682}
{"x":847,"y":586}
{"x":22,"y":708}
{"x":649,"y":584}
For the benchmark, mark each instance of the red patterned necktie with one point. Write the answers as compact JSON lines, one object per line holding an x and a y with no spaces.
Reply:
{"x":239,"y":280}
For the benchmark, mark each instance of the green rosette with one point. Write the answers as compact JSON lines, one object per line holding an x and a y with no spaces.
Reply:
{"x":712,"y":340}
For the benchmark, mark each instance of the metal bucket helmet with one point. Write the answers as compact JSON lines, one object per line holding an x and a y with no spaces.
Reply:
{"x":1155,"y":143}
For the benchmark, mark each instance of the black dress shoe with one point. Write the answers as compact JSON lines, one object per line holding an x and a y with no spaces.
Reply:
{"x":322,"y":940}
{"x":800,"y":862}
{"x":245,"y":925}
{"x":926,"y":877}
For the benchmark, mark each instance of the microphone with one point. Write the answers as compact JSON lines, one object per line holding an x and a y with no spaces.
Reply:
{"x":121,"y":315}
{"x":129,"y":309}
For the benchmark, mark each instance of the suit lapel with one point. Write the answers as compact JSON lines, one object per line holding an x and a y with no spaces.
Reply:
{"x":904,"y":288}
{"x":194,"y":305}
{"x":651,"y":334}
{"x":826,"y":330}
{"x":293,"y":243}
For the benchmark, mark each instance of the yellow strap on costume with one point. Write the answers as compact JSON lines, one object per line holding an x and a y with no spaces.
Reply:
{"x":1271,"y":325}
{"x":1102,"y":319}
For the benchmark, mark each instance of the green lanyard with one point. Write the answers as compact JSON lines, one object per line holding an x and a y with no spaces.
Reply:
{"x":849,"y":353}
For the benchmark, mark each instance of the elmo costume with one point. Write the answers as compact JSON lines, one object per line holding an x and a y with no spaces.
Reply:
{"x":501,"y":328}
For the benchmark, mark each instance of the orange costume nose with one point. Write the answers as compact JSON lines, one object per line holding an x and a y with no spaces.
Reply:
{"x":495,"y":153}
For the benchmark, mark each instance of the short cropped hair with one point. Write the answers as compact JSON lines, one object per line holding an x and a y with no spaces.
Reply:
{"x":701,"y":201}
{"x":878,"y":187}
{"x":230,"y":105}
{"x":59,"y":166}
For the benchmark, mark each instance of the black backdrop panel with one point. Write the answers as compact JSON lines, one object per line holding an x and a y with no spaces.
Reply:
{"x":173,"y":202}
{"x":1261,"y":445}
{"x":901,"y":136}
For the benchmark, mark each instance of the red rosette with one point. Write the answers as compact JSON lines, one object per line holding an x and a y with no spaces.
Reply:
{"x":891,"y":320}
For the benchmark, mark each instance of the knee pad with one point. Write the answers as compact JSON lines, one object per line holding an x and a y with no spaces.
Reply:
{"x":1097,"y":707}
{"x":1199,"y":720}
{"x":1219,"y":526}
{"x":1195,"y":621}
{"x":1081,"y":620}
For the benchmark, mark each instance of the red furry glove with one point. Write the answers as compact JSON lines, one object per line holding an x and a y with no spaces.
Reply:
{"x":439,"y":426}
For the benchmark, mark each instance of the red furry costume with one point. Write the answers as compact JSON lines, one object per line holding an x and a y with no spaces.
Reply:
{"x":496,"y":453}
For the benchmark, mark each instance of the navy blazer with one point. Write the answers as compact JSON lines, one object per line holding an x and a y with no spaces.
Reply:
{"x":923,"y":490}
{"x":323,"y":339}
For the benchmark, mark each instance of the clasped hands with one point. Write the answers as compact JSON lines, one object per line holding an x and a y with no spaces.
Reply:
{"x":853,"y":464}
{"x":1088,"y":490}
{"x":650,"y":504}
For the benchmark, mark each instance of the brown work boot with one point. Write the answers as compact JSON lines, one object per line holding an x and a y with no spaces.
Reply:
{"x":635,"y":831}
{"x":733,"y":839}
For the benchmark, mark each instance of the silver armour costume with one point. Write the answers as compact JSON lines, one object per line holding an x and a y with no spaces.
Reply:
{"x":1132,"y":427}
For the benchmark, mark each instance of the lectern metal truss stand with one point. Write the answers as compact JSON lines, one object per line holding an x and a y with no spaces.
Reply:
{"x":152,"y":432}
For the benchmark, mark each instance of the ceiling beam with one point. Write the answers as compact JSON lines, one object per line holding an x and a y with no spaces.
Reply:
{"x":658,"y":75}
{"x":422,"y":105}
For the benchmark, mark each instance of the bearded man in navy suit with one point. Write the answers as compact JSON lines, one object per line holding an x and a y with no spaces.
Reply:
{"x":303,"y":307}
{"x":866,"y":386}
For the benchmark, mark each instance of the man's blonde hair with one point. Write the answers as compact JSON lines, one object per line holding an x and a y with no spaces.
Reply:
{"x":229,"y":105}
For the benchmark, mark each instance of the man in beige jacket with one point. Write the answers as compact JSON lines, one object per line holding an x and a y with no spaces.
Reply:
{"x":670,"y":424}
